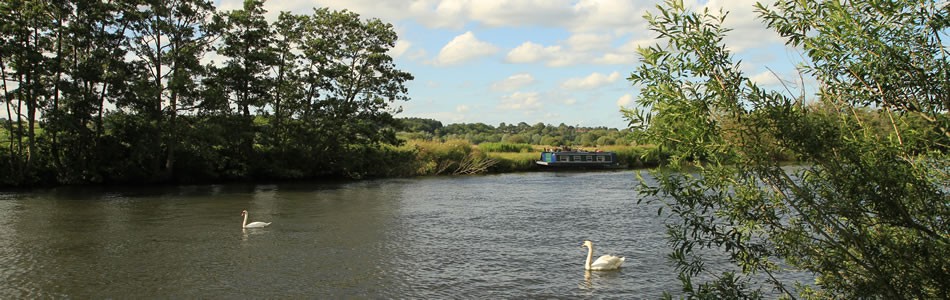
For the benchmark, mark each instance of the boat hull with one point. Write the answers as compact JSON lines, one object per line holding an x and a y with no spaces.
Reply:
{"x":578,"y":160}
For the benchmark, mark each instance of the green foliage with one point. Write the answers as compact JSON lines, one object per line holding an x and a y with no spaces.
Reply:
{"x":866,"y":211}
{"x":505,"y":147}
{"x":117,"y":92}
{"x":522,"y":133}
{"x":420,"y":125}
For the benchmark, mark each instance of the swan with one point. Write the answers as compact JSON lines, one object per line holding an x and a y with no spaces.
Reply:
{"x":603,"y":263}
{"x":253,"y":224}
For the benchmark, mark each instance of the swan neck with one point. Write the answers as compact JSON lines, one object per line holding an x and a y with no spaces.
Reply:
{"x":244,"y":224}
{"x":590,"y":254}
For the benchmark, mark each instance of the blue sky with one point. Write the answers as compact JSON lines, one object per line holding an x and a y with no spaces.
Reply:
{"x":550,"y":61}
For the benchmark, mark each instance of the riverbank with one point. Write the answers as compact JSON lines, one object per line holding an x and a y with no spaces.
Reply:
{"x":457,"y":157}
{"x":410,"y":159}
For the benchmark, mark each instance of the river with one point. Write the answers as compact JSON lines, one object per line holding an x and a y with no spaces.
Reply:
{"x":495,"y":236}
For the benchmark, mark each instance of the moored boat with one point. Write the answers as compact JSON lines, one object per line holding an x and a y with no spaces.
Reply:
{"x":570,"y":158}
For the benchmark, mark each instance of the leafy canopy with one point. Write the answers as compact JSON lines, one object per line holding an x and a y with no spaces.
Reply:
{"x":865,"y":210}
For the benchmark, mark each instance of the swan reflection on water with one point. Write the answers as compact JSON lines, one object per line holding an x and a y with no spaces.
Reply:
{"x":594,"y":280}
{"x":247,"y":232}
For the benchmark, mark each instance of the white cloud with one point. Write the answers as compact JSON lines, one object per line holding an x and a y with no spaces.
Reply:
{"x":463,"y":48}
{"x":589,"y":41}
{"x":521,"y":101}
{"x":529,"y":52}
{"x":513,"y":82}
{"x":617,"y":59}
{"x":400,"y":48}
{"x":552,"y":56}
{"x":570,"y":101}
{"x":625,"y":101}
{"x":748,"y":31}
{"x":622,"y":16}
{"x":461,"y":108}
{"x":765,"y":79}
{"x":501,"y":13}
{"x":592,"y":81}
{"x":632,"y":45}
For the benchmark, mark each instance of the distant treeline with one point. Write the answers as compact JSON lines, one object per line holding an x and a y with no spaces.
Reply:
{"x":133,"y":91}
{"x":521,"y":133}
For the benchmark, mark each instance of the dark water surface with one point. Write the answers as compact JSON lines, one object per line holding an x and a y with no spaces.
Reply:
{"x":498,"y":236}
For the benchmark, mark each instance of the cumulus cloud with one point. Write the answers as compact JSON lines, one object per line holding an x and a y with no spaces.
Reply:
{"x":521,"y":101}
{"x":625,"y":101}
{"x":552,"y":56}
{"x":461,"y":108}
{"x":592,"y":81}
{"x":529,"y":52}
{"x":501,"y":13}
{"x":747,"y":29}
{"x":580,"y":48}
{"x":589,"y":41}
{"x":765,"y":79}
{"x":513,"y":82}
{"x":616,"y":59}
{"x":463,"y":48}
{"x":400,"y":48}
{"x":622,"y":16}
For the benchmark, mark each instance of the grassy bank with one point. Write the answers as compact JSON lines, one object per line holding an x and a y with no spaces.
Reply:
{"x":461,"y":157}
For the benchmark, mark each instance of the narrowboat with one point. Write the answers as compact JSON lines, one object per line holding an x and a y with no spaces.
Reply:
{"x":569,"y":158}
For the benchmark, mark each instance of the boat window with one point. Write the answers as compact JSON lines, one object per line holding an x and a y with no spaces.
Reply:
{"x":600,"y":158}
{"x":609,"y":158}
{"x":578,"y":158}
{"x":561,"y":158}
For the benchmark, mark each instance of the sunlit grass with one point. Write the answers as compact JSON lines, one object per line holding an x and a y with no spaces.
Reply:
{"x":433,"y":153}
{"x":505,"y":147}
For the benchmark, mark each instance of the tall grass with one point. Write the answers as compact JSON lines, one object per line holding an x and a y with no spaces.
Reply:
{"x":637,"y":156}
{"x":422,"y":157}
{"x":514,"y":162}
{"x":505,"y":147}
{"x":450,"y":157}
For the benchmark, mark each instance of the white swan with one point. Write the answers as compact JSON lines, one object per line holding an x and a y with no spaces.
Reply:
{"x":606,"y":262}
{"x":253,"y":224}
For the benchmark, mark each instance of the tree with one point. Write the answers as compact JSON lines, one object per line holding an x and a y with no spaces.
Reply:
{"x":350,"y":83}
{"x":245,"y":42}
{"x":866,"y":211}
{"x":24,"y":37}
{"x":90,"y":72}
{"x":288,"y":38}
{"x":245,"y":78}
{"x":168,"y":38}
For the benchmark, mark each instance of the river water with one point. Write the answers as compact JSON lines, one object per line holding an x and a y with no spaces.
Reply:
{"x":496,"y":236}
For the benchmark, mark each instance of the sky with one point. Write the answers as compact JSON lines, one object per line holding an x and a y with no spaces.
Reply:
{"x":547,"y":61}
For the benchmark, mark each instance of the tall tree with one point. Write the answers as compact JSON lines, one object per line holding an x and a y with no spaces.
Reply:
{"x":288,"y":34}
{"x":26,"y":76}
{"x":169,"y":39}
{"x":350,"y":81}
{"x":865,"y":212}
{"x":246,"y":45}
{"x":88,"y":68}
